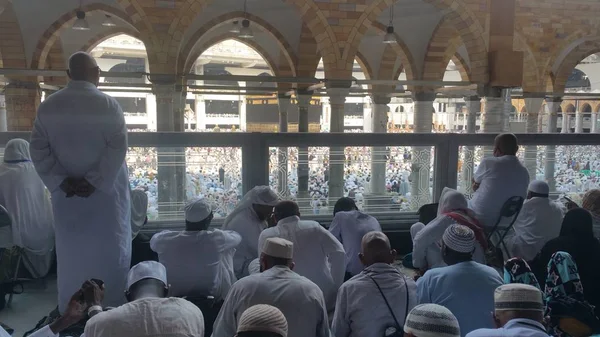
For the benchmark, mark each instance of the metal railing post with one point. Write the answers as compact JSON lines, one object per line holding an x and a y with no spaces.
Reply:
{"x":255,"y":162}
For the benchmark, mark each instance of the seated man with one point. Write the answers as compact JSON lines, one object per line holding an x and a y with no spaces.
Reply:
{"x":540,"y":221}
{"x":300,"y":300}
{"x":497,"y":179}
{"x":429,"y":320}
{"x":198,"y":261}
{"x":318,"y":255}
{"x":149,"y":311}
{"x":427,"y":240}
{"x":464,"y":286}
{"x":519,"y":311}
{"x":349,"y":225}
{"x":361,"y":310}
{"x":262,"y":320}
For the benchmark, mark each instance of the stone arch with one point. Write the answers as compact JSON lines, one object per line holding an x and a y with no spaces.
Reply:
{"x":458,"y":16}
{"x":570,"y":108}
{"x":364,"y":66}
{"x":231,"y":36}
{"x":103,"y":36}
{"x":399,"y":50}
{"x":524,"y":109}
{"x":308,"y":54}
{"x":597,"y":108}
{"x":531,"y":79}
{"x":186,"y":52}
{"x":12,"y":49}
{"x":442,"y":46}
{"x":463,"y":67}
{"x":586,"y":108}
{"x":583,"y":50}
{"x":56,"y":61}
{"x":51,"y":35}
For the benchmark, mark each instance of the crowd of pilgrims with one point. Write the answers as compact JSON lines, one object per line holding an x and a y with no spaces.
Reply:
{"x":215,"y":174}
{"x":269,"y":273}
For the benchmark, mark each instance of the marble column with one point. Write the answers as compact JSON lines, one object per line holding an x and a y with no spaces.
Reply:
{"x":421,"y":155}
{"x":337,"y":158}
{"x":200,"y":113}
{"x":379,"y":123}
{"x":533,"y":106}
{"x":565,"y":122}
{"x":3,"y":120}
{"x":496,"y":114}
{"x":303,"y":98}
{"x":468,"y":167}
{"x":21,"y":100}
{"x":170,"y":102}
{"x":552,"y":105}
{"x":283,"y":102}
{"x":593,"y":127}
{"x":579,"y":122}
{"x":242,"y":106}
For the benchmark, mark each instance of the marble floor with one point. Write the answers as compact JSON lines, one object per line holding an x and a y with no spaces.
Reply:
{"x":29,"y":307}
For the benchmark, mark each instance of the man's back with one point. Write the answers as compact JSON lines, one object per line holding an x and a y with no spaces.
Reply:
{"x":300,"y":300}
{"x":499,"y":179}
{"x":313,"y":246}
{"x":197,"y":262}
{"x":466,"y":288}
{"x":148,"y":317}
{"x":349,"y":228}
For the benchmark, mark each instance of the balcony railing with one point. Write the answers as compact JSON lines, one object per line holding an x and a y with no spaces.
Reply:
{"x":390,"y":175}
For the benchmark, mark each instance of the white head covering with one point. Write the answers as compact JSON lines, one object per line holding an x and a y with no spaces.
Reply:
{"x":147,"y":269}
{"x":260,"y":195}
{"x":197,"y":210}
{"x":517,"y":296}
{"x":278,"y":247}
{"x":540,"y":187}
{"x":16,"y":150}
{"x":431,"y":320}
{"x":263,"y":318}
{"x":139,"y":211}
{"x":451,"y":200}
{"x":459,"y":238}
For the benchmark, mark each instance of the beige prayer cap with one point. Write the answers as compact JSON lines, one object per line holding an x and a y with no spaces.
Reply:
{"x":263,"y":318}
{"x":517,"y":297}
{"x":278,"y":247}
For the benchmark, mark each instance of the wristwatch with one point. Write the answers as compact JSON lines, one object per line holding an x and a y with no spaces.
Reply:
{"x":93,"y":310}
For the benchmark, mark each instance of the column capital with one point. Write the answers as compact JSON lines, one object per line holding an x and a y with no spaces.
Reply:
{"x":472,"y":98}
{"x":380,"y":99}
{"x":423,"y":96}
{"x":489,"y":91}
{"x":554,"y":99}
{"x":23,"y":85}
{"x":534,"y":95}
{"x":163,"y":79}
{"x":338,"y":95}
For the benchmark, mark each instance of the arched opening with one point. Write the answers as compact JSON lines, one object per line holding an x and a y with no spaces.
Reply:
{"x":578,"y":81}
{"x":570,"y":108}
{"x":125,"y":53}
{"x":524,"y":109}
{"x":586,"y":108}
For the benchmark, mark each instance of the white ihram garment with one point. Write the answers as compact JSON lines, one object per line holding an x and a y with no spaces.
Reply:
{"x":349,"y":228}
{"x":80,"y":132}
{"x":24,"y":196}
{"x":318,"y":255}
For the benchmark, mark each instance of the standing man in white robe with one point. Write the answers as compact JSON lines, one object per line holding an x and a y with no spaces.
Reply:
{"x":78,"y":147}
{"x":539,"y":221}
{"x":25,"y":198}
{"x":249,"y":218}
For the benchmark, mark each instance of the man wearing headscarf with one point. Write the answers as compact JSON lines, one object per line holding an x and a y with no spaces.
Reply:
{"x":300,"y":300}
{"x":25,"y":198}
{"x":431,"y":320}
{"x":538,"y":222}
{"x":264,"y":320}
{"x":518,"y":312}
{"x":427,"y":239}
{"x":361,"y":310}
{"x":464,"y":286}
{"x":349,"y":225}
{"x":78,"y":147}
{"x":498,"y":179}
{"x":318,"y":255}
{"x":249,"y":218}
{"x":149,"y":311}
{"x":199,"y":261}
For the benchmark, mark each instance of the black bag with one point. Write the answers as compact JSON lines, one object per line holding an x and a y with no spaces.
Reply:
{"x":393,"y":331}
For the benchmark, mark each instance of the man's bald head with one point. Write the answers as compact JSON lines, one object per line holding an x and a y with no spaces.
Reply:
{"x":376,"y":248}
{"x":83,"y":67}
{"x":506,"y":144}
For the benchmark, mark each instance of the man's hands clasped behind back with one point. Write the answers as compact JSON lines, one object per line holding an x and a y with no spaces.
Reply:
{"x":77,"y":187}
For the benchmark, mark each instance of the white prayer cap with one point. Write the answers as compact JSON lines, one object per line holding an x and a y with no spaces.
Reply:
{"x":517,"y":296}
{"x":540,"y":187}
{"x":145,"y":270}
{"x":264,"y":195}
{"x":278,"y":247}
{"x":459,"y":238}
{"x":263,"y":318}
{"x":431,"y":320}
{"x":197,"y":210}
